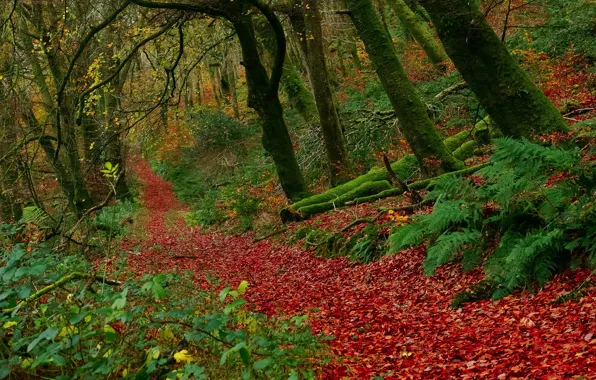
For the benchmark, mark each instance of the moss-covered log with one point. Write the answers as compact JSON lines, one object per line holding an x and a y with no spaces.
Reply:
{"x":341,"y":195}
{"x":502,"y":87}
{"x":366,"y":189}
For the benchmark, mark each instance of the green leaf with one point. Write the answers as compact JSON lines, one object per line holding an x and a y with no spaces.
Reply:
{"x":37,"y":270}
{"x":77,"y":318}
{"x":119,"y":303}
{"x":234,"y":305}
{"x":223,"y":294}
{"x":49,"y":334}
{"x":158,"y":291}
{"x":159,"y":278}
{"x":22,"y":271}
{"x":244,"y":355}
{"x":262,"y":364}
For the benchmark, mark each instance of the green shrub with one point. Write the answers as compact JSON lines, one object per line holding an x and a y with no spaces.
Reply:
{"x":214,"y":130}
{"x":205,"y":211}
{"x":109,"y":219}
{"x":60,"y":319}
{"x":534,"y":205}
{"x":571,"y":24}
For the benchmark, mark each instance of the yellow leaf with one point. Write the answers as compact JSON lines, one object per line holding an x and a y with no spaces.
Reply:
{"x":26,"y":363}
{"x":124,"y":372}
{"x":153,"y":354}
{"x":9,"y":324}
{"x":183,"y":356}
{"x":91,"y":146}
{"x":88,"y":319}
{"x":70,"y":330}
{"x":242,"y":287}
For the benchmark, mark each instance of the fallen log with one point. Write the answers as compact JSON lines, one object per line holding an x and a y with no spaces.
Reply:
{"x":359,"y":189}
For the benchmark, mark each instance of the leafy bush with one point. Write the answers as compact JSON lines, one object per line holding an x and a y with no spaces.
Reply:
{"x":60,"y":319}
{"x":205,"y":211}
{"x":214,"y":130}
{"x":528,"y":215}
{"x":109,"y":219}
{"x":571,"y":24}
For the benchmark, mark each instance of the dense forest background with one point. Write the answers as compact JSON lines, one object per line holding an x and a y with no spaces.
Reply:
{"x":297,"y":189}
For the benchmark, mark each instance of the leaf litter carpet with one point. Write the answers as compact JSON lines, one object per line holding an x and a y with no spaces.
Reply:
{"x":388,"y":319}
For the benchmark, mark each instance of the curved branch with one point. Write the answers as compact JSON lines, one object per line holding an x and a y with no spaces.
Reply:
{"x":178,"y":57}
{"x":202,"y":6}
{"x":23,"y":143}
{"x":280,"y":38}
{"x":63,"y":280}
{"x":130,"y":55}
{"x":94,"y":30}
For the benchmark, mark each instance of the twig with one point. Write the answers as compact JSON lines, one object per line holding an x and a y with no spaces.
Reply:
{"x":276,"y":232}
{"x":362,"y":220}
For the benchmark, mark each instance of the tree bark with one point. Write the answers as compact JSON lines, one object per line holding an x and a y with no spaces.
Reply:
{"x":418,"y":129}
{"x":506,"y":92}
{"x":307,"y":24}
{"x":276,"y":139}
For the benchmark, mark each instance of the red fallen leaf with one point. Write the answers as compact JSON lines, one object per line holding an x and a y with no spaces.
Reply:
{"x":387,"y":305}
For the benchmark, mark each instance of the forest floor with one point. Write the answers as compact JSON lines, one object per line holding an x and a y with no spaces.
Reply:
{"x":387,"y":318}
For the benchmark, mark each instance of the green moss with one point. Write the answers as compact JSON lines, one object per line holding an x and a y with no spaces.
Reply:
{"x":365,"y":189}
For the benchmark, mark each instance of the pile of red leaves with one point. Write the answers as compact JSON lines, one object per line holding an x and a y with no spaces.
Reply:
{"x":387,"y":317}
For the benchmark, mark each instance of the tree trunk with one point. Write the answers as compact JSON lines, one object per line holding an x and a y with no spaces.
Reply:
{"x":421,"y":32}
{"x":276,"y":139}
{"x":300,"y":96}
{"x":506,"y":92}
{"x":418,"y":129}
{"x":307,"y":23}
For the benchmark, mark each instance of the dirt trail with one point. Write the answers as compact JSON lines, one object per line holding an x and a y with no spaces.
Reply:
{"x":387,"y":317}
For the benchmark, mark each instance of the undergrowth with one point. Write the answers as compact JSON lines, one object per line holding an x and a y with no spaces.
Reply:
{"x":527,"y":216}
{"x":63,"y":318}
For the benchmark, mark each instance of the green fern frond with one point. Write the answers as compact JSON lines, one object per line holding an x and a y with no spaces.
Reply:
{"x":452,"y":213}
{"x":447,"y":247}
{"x":35,"y":215}
{"x":406,"y":236}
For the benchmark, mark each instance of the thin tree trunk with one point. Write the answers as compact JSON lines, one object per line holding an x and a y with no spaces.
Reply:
{"x":421,"y":32}
{"x":507,"y":93}
{"x":308,"y":24}
{"x":418,"y":129}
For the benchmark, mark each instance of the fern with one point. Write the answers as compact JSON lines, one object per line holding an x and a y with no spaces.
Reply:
{"x":447,"y":246}
{"x":522,"y":259}
{"x":406,"y":236}
{"x":35,"y":215}
{"x":535,"y":205}
{"x":452,"y":213}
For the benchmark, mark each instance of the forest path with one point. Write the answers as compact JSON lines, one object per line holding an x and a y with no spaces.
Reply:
{"x":387,"y":317}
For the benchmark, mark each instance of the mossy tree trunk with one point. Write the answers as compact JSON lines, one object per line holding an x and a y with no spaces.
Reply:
{"x":263,"y":98}
{"x":306,"y":22}
{"x":418,"y":129}
{"x":506,"y":92}
{"x":421,"y":32}
{"x":299,"y":95}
